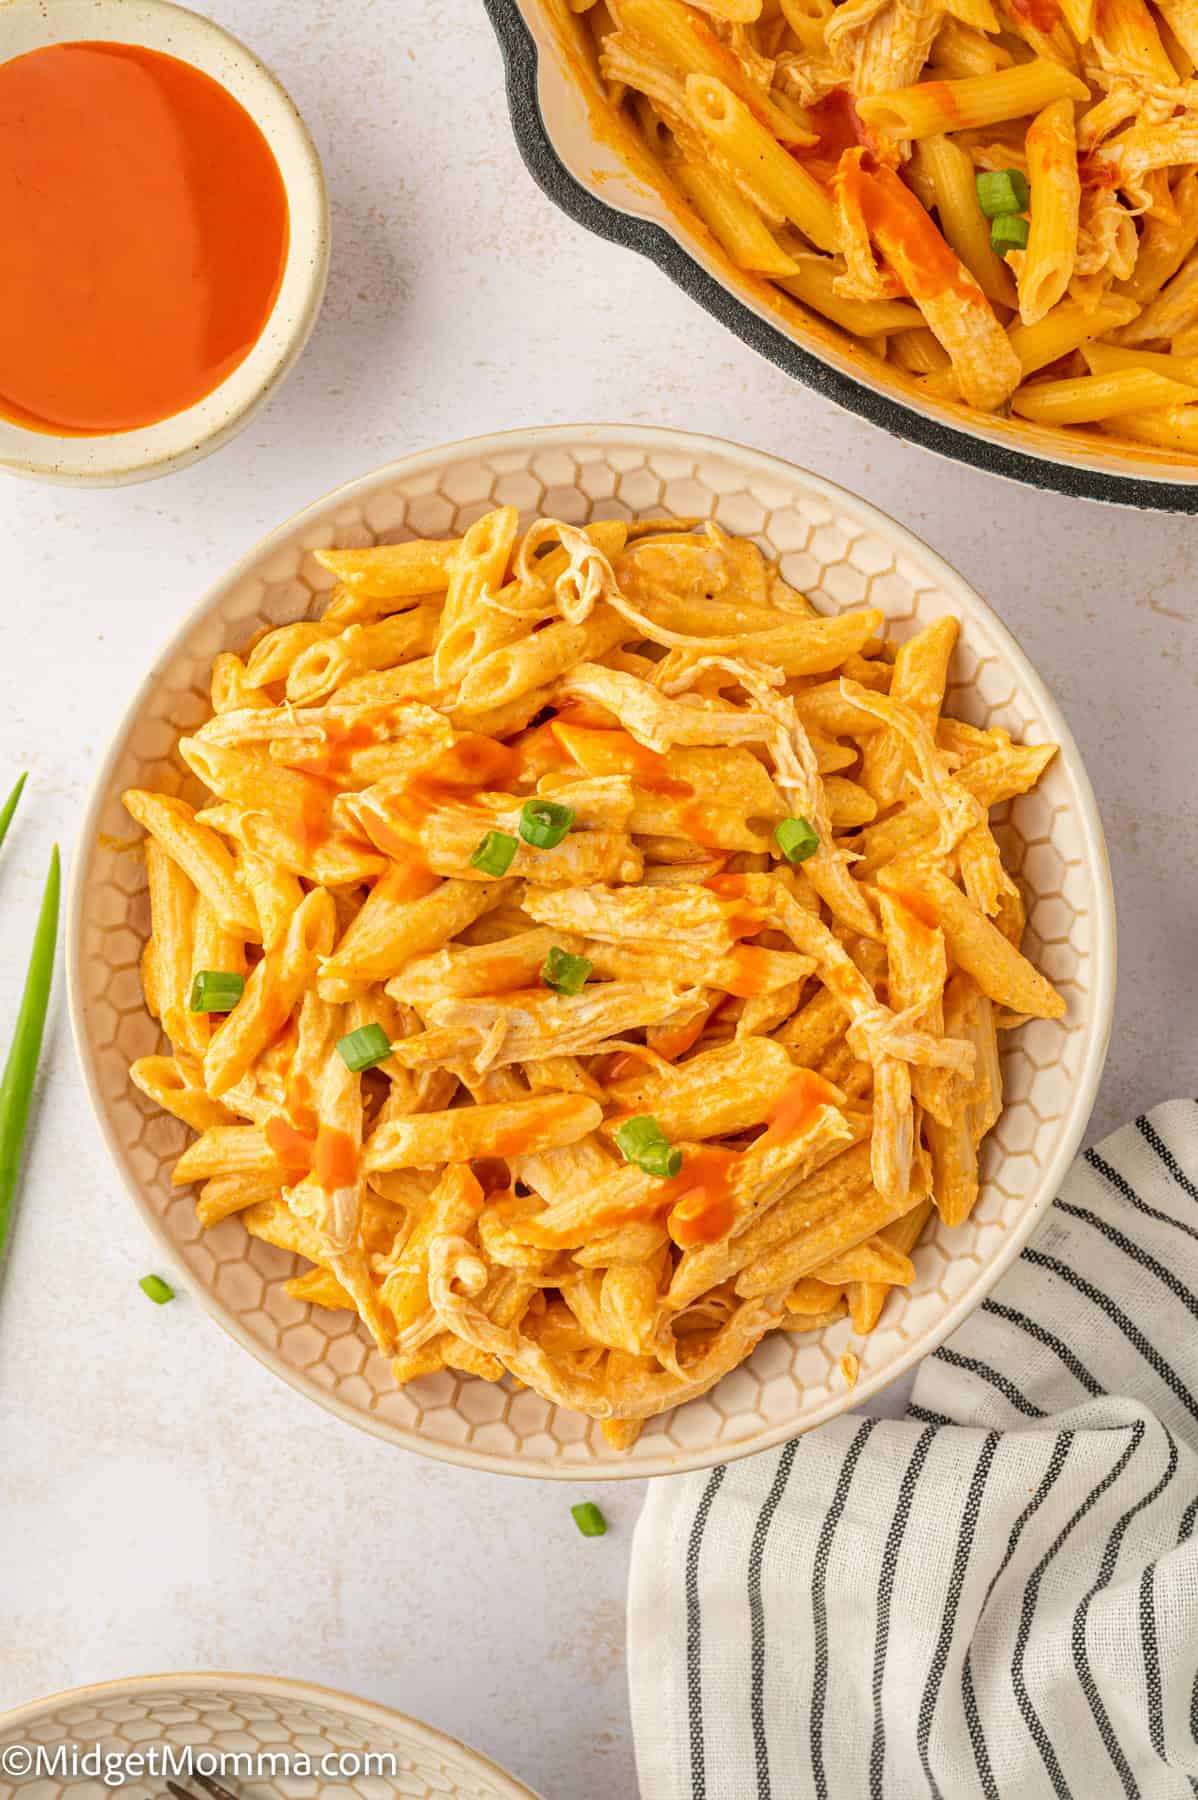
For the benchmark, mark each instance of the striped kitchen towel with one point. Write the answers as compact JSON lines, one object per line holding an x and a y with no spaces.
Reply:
{"x":995,"y":1596}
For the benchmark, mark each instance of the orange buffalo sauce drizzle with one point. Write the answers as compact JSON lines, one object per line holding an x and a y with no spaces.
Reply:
{"x":838,"y":124}
{"x":1045,"y":15}
{"x":291,"y":1147}
{"x":743,"y":921}
{"x":904,"y":233}
{"x":674,"y":1041}
{"x":617,"y":751}
{"x":516,"y":1137}
{"x":701,"y":1198}
{"x":473,"y":762}
{"x":329,"y":1153}
{"x":300,"y":1103}
{"x":314,"y":820}
{"x":450,"y":779}
{"x":334,"y":755}
{"x":1054,"y":154}
{"x":748,"y":971}
{"x":144,"y":242}
{"x":1094,"y":173}
{"x":796,"y":1106}
{"x":924,"y":909}
{"x":336,"y":1161}
{"x":839,"y":127}
{"x":413,"y":879}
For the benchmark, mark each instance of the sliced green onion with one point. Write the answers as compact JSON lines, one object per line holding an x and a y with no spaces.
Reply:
{"x":1002,"y":191}
{"x":16,"y":1084}
{"x":643,"y":1142}
{"x":156,"y":1289}
{"x":494,"y":853}
{"x":797,"y":839}
{"x":589,"y":1519}
{"x":364,"y":1048}
{"x":544,"y":823}
{"x":216,"y":991}
{"x":9,"y":808}
{"x":568,"y":974}
{"x":1010,"y":232}
{"x":661,"y":1160}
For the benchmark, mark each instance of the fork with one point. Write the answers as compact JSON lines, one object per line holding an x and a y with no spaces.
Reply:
{"x":206,"y":1784}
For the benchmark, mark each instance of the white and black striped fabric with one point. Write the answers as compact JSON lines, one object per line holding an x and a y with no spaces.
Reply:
{"x":994,"y":1597}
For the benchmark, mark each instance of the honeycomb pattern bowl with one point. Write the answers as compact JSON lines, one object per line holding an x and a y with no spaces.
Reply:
{"x":325,"y":1738}
{"x":840,"y":551}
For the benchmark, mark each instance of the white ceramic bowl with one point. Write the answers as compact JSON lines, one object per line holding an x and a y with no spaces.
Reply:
{"x":595,"y":171}
{"x":125,"y":456}
{"x":246,"y":1715}
{"x":840,"y":551}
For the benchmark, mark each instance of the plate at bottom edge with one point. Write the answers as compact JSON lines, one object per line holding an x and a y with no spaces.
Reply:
{"x":253,"y":1716}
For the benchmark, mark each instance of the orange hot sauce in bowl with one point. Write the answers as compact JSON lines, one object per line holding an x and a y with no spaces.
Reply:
{"x":143,"y":241}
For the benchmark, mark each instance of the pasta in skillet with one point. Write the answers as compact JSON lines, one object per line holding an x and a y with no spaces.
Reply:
{"x":997,"y":197}
{"x":587,"y":956}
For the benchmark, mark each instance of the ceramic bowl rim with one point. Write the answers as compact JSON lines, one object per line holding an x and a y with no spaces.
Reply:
{"x":280,"y":1687}
{"x":143,"y":454}
{"x":1100,"y":1006}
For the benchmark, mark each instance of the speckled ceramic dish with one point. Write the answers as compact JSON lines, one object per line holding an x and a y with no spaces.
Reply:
{"x":338,"y":1747}
{"x":125,"y":456}
{"x":841,"y":552}
{"x":593,"y":170}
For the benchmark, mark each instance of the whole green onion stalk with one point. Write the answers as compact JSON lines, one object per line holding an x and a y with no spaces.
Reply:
{"x":16,"y":1084}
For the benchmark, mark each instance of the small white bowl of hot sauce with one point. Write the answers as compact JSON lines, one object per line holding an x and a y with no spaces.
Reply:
{"x":165,"y":237}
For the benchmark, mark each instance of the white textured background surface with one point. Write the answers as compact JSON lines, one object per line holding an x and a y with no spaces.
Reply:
{"x":165,"y":1504}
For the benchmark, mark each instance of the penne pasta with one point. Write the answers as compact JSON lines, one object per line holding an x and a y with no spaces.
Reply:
{"x":393,"y":571}
{"x":794,"y":194}
{"x":1066,"y":328}
{"x":835,"y":153}
{"x":814,"y":282}
{"x":200,"y":854}
{"x":1047,"y":265}
{"x":630,"y":995}
{"x":976,"y":101}
{"x":730,"y":218}
{"x":950,"y":174}
{"x":1085,"y":399}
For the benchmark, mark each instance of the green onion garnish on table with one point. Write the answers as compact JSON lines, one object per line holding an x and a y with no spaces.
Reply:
{"x":495,"y":853}
{"x":1010,"y":232}
{"x":797,"y":839}
{"x":564,"y":972}
{"x":9,"y":808}
{"x":1002,"y":191}
{"x":156,"y":1289}
{"x":589,"y":1519}
{"x":216,"y":991}
{"x":364,"y":1048}
{"x":643,"y":1142}
{"x":544,"y":823}
{"x":16,"y":1084}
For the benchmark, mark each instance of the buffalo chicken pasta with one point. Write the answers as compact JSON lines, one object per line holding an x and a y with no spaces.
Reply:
{"x":998,"y":197}
{"x":585,"y":954}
